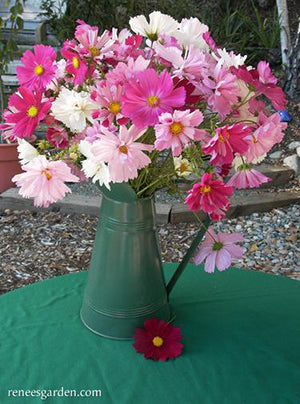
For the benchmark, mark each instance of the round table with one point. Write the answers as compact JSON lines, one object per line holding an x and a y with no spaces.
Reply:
{"x":241,"y":344}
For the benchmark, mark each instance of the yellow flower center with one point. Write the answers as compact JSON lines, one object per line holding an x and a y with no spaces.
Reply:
{"x":157,"y":341}
{"x":206,"y":189}
{"x":32,"y":111}
{"x":75,"y":62}
{"x":47,"y":174}
{"x":183,"y":167}
{"x":123,"y":149}
{"x":254,"y":140}
{"x":39,"y":70}
{"x":94,"y":51}
{"x":176,"y":128}
{"x":221,"y":137}
{"x":153,"y":101}
{"x":114,"y":107}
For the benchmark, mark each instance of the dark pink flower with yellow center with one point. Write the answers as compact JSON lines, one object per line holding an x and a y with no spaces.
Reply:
{"x":227,"y":141}
{"x":148,"y":95}
{"x":75,"y":65}
{"x":209,"y":195}
{"x":158,"y":340}
{"x":27,"y":111}
{"x":38,"y":67}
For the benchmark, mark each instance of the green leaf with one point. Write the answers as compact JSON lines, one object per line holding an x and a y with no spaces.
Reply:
{"x":20,"y":23}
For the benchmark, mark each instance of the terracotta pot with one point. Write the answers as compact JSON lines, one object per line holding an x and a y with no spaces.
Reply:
{"x":9,"y":165}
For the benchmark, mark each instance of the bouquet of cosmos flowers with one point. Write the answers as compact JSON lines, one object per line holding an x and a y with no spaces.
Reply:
{"x":147,"y":107}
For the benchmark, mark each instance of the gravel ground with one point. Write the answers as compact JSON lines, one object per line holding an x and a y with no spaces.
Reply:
{"x":36,"y":246}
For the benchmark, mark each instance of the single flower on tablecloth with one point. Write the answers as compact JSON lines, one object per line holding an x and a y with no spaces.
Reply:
{"x":158,"y":340}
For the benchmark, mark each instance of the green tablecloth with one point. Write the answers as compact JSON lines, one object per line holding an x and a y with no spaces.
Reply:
{"x":241,"y":344}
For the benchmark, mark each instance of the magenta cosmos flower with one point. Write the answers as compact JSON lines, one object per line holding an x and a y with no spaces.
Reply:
{"x":158,"y":340}
{"x":218,"y":250}
{"x":209,"y":195}
{"x":27,"y":111}
{"x":122,"y":153}
{"x":147,"y":95}
{"x":247,"y":177}
{"x":75,"y":64}
{"x":178,"y":129}
{"x":44,"y":180}
{"x":38,"y":68}
{"x":227,"y":141}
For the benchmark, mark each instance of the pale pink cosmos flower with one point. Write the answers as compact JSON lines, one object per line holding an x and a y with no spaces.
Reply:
{"x":125,"y":71}
{"x":27,"y":110}
{"x":90,"y":43}
{"x":38,"y":67}
{"x":218,"y":250}
{"x":221,"y":89}
{"x":148,"y":95}
{"x":247,"y":177}
{"x":178,"y":129}
{"x":122,"y":153}
{"x":268,"y":133}
{"x":109,"y":99}
{"x":44,"y":181}
{"x":192,"y":64}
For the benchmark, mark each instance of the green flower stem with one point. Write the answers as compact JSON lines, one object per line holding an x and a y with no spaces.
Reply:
{"x":190,"y":252}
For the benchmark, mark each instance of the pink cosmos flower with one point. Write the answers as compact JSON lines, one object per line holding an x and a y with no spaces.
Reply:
{"x":227,"y":141}
{"x":158,"y":340}
{"x":122,"y":153}
{"x":57,"y":136}
{"x":109,"y":98}
{"x":8,"y":128}
{"x":268,"y":133}
{"x":126,"y":71}
{"x":263,"y":82}
{"x":247,"y":177}
{"x":218,"y":250}
{"x":177,"y":129}
{"x":148,"y":95}
{"x":221,"y":89}
{"x":208,"y":195}
{"x":27,"y":110}
{"x":194,"y":65}
{"x":44,"y":180}
{"x":75,"y":64}
{"x":38,"y":68}
{"x":91,"y":44}
{"x":94,"y":132}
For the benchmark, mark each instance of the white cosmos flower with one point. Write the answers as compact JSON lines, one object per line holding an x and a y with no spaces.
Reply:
{"x":73,"y":109}
{"x":230,"y":58}
{"x":191,"y":32}
{"x":158,"y":23}
{"x":92,"y":167}
{"x":26,"y":152}
{"x":182,"y":166}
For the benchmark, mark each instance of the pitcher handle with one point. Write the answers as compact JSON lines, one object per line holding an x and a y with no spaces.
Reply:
{"x":188,"y":255}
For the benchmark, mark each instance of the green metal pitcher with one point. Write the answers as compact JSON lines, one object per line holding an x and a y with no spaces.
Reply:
{"x":126,"y":283}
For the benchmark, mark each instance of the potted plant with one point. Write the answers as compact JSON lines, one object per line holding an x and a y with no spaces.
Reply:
{"x":134,"y":114}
